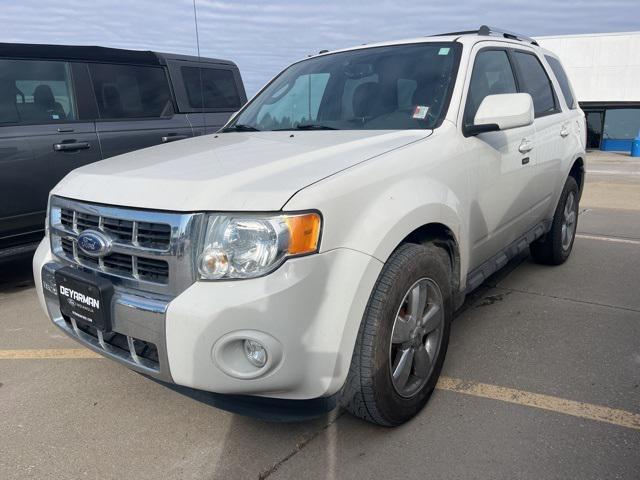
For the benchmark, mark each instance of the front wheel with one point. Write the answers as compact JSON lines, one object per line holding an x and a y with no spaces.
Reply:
{"x":403,"y":337}
{"x":555,"y":247}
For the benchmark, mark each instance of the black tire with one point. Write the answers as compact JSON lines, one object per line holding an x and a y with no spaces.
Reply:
{"x":550,"y":249}
{"x":369,"y":391}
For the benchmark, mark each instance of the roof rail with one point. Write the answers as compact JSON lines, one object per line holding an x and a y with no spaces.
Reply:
{"x":486,"y":30}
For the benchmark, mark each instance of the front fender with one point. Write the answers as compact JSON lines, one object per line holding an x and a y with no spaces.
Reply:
{"x":370,"y":209}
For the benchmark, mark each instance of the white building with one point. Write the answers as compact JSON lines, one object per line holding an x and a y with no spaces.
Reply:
{"x":605,"y":72}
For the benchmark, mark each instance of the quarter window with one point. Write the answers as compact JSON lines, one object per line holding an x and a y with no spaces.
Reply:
{"x":561,"y":76}
{"x":492,"y":75}
{"x":534,"y":81}
{"x":219,"y":88}
{"x":127,"y":91}
{"x":33,"y":91}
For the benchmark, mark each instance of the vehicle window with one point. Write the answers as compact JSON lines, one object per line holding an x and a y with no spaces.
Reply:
{"x":561,"y":76}
{"x":34,"y":91}
{"x":535,"y":82}
{"x":128,"y":91}
{"x":379,"y":88}
{"x":492,"y":75}
{"x":220,"y":89}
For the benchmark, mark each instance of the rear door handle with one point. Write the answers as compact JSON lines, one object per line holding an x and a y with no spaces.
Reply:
{"x":71,"y":146}
{"x":526,"y":146}
{"x":565,"y":130}
{"x":173,"y":138}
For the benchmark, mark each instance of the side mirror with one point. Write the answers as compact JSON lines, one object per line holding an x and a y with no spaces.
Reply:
{"x":501,"y":112}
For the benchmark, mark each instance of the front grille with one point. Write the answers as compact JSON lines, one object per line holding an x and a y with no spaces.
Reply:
{"x":146,"y":246}
{"x":144,"y":234}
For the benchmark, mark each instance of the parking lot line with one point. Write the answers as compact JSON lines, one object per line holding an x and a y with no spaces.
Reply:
{"x":589,"y":411}
{"x":613,"y":172}
{"x":48,"y":353}
{"x":608,"y":239}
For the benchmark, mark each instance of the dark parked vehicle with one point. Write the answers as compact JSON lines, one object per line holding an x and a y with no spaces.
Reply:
{"x":62,"y":107}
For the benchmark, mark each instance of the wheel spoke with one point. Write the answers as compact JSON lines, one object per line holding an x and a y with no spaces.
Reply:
{"x":402,"y":330}
{"x":402,"y":369}
{"x":431,"y":319}
{"x":571,"y":218}
{"x":417,"y":301}
{"x":568,"y":208}
{"x":422,"y":362}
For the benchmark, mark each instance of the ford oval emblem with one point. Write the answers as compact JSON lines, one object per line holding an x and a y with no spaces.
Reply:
{"x":94,"y":243}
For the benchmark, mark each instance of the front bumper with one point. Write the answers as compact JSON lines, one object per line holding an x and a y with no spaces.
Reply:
{"x":307,"y":313}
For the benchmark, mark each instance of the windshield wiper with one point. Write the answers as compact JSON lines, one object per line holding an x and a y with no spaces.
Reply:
{"x":240,"y":127}
{"x":314,"y":126}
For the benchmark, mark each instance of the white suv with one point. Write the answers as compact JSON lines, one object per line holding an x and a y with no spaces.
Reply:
{"x":317,"y":247}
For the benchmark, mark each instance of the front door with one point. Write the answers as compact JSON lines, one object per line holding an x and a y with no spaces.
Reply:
{"x":501,"y":165}
{"x":41,"y":140}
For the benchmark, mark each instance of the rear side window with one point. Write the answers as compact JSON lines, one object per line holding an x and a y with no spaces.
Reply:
{"x":535,"y":82}
{"x":129,"y":91}
{"x":492,"y":75}
{"x":561,"y":76}
{"x":34,"y":91}
{"x":219,"y":92}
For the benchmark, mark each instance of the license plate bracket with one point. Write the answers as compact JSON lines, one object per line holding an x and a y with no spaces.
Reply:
{"x":85,"y":297}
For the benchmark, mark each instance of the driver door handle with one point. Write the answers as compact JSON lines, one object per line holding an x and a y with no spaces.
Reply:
{"x":173,"y":138}
{"x":525,"y":146}
{"x":71,"y":146}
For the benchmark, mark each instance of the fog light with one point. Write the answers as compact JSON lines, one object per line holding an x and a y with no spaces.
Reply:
{"x":255,"y":352}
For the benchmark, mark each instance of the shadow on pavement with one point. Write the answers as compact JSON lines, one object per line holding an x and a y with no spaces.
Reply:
{"x":16,"y":274}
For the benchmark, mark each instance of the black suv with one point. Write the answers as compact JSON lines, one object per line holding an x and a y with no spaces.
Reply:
{"x":62,"y":107}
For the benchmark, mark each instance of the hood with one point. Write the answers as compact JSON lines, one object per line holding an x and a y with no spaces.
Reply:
{"x":250,"y":171}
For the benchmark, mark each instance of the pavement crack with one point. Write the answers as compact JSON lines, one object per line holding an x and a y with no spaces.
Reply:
{"x":557,"y":297}
{"x":299,"y":446}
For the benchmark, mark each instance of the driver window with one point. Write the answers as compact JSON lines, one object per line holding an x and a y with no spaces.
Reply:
{"x":491,"y":75}
{"x":296,"y":104}
{"x":34,"y":91}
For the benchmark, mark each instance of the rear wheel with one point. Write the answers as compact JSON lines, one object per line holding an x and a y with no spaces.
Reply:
{"x":555,"y":247}
{"x":403,"y":337}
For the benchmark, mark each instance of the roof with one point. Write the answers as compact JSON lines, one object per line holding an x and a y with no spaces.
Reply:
{"x":95,"y":54}
{"x":484,"y":33}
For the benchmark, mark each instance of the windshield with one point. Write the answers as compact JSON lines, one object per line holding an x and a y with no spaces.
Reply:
{"x":381,"y":88}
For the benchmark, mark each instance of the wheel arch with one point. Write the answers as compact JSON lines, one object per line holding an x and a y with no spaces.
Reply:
{"x":577,"y":171}
{"x":442,"y":236}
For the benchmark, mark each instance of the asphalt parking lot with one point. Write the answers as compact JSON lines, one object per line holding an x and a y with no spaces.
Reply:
{"x":542,"y":380}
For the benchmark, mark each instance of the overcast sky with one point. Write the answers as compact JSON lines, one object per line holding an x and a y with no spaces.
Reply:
{"x":263,"y":37}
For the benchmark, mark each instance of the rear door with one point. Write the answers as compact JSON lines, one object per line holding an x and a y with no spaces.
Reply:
{"x":208,"y":93}
{"x":42,"y":137}
{"x":550,"y":125}
{"x":135,"y":108}
{"x":501,"y":164}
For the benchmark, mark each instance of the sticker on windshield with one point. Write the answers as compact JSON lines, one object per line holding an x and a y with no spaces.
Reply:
{"x":444,"y":51}
{"x":420,"y":112}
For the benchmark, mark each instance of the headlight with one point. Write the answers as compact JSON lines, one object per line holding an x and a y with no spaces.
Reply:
{"x":248,"y":246}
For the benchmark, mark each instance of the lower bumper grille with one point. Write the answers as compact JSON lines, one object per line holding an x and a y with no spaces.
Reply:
{"x":131,"y":346}
{"x":137,"y":338}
